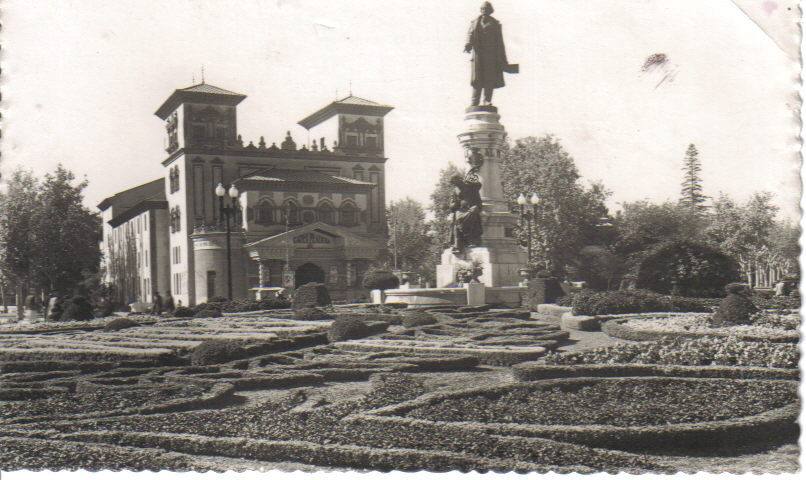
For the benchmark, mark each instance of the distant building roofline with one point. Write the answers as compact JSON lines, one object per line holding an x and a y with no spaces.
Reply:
{"x":350,"y":105}
{"x":201,"y":93}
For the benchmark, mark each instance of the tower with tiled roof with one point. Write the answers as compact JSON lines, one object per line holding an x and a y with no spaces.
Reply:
{"x":201,"y":115}
{"x":356,"y":123}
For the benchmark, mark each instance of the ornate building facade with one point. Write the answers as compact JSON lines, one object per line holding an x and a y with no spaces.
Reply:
{"x":305,"y":212}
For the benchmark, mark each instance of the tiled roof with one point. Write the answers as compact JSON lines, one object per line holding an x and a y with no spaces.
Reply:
{"x":209,"y":89}
{"x":348,"y":105}
{"x":203,"y":92}
{"x":353,"y":100}
{"x":153,"y":190}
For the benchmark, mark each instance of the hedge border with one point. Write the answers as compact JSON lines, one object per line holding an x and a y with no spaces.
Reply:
{"x":777,"y":425}
{"x":615,"y":328}
{"x":532,"y":371}
{"x":383,"y":459}
{"x":487,"y":355}
{"x":220,"y":393}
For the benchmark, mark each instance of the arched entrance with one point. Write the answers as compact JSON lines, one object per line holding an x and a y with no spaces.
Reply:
{"x":307,"y":273}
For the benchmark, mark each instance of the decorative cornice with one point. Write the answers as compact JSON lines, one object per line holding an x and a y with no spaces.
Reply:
{"x":281,"y":154}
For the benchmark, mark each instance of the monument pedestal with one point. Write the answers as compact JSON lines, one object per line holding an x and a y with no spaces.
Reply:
{"x":499,"y":252}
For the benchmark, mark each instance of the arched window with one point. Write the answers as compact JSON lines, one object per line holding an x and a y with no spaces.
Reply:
{"x":308,"y":216}
{"x":264,"y":213}
{"x":290,"y":212}
{"x":326,"y":212}
{"x":348,"y":214}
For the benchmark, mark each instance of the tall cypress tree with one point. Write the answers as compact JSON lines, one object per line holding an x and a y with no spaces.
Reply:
{"x":691,"y":195}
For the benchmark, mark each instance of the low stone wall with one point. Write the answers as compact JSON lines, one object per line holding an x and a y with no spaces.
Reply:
{"x":430,"y":297}
{"x":427,"y":297}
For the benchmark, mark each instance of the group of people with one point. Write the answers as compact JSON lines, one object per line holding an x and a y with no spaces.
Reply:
{"x":159,"y":305}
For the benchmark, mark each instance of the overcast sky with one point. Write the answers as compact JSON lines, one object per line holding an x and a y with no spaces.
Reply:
{"x":83,"y":78}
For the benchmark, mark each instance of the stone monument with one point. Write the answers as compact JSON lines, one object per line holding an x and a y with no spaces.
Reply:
{"x":484,"y":141}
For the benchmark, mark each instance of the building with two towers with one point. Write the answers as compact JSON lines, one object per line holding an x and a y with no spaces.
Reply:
{"x":305,"y":212}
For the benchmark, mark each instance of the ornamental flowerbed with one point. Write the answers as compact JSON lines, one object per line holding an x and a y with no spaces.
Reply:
{"x":652,"y":414}
{"x":730,"y":352}
{"x":781,"y":329}
{"x":620,"y":402}
{"x":502,"y":337}
{"x":278,"y":430}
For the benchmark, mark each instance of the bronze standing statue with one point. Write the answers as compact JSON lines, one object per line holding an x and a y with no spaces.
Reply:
{"x":489,"y":62}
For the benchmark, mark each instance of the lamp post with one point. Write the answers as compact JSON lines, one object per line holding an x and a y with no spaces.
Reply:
{"x":528,"y":215}
{"x":226,"y":212}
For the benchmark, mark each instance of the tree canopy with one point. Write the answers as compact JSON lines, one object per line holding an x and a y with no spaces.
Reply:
{"x":568,"y":214}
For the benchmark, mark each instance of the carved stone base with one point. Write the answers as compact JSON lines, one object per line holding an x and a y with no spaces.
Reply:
{"x":501,"y":263}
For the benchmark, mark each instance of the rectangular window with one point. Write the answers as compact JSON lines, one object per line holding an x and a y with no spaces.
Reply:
{"x":145,"y":222}
{"x":210,"y":284}
{"x":198,"y":194}
{"x":352,"y":140}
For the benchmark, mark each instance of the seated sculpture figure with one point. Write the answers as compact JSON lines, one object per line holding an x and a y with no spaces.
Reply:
{"x":465,"y":204}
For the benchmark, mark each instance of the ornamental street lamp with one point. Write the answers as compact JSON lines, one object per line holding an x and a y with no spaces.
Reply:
{"x":226,"y":212}
{"x":528,"y":216}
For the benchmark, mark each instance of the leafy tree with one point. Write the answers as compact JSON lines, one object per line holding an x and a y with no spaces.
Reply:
{"x":568,"y":212}
{"x":785,"y":247}
{"x":691,"y":192}
{"x":408,"y":234}
{"x":66,"y":234}
{"x":743,"y":231}
{"x":17,"y":246}
{"x":642,"y":225}
{"x":683,"y":267}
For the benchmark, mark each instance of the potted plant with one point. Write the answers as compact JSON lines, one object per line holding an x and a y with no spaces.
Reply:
{"x":469,"y":272}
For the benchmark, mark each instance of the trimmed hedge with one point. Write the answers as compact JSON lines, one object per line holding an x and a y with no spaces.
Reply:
{"x":77,"y":308}
{"x":311,"y":295}
{"x":693,"y":269}
{"x":351,"y":328}
{"x":418,"y":318}
{"x":590,"y":302}
{"x":391,"y":319}
{"x":532,"y":371}
{"x":617,"y":329}
{"x":207,"y":312}
{"x":380,"y":280}
{"x":777,"y":425}
{"x":735,"y":309}
{"x":183,"y":312}
{"x":212,"y":352}
{"x":311,"y":313}
{"x":120,"y":324}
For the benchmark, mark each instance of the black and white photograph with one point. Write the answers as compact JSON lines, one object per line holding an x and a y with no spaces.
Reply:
{"x":309,"y":237}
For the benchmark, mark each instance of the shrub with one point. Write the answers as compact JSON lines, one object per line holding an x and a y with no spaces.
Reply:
{"x":380,"y":280}
{"x":218,"y":300}
{"x":728,"y":351}
{"x":347,"y":328}
{"x":311,"y":314}
{"x":183,"y":312}
{"x":119,"y":324}
{"x":777,"y":303}
{"x":77,"y":308}
{"x":686,"y":268}
{"x":208,"y":312}
{"x":735,"y":309}
{"x":311,"y":295}
{"x":417,"y":319}
{"x":254,"y":305}
{"x":212,"y":352}
{"x":391,"y":388}
{"x":589,"y":302}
